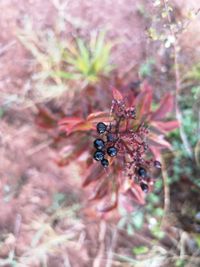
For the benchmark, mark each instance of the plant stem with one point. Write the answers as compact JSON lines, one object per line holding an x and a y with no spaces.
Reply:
{"x":179,"y":117}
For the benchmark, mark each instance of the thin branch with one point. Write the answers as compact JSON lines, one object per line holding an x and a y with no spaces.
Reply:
{"x":112,"y":248}
{"x":183,"y":135}
{"x":166,"y":192}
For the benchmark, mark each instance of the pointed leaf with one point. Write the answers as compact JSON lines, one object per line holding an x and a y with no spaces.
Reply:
{"x":166,"y":126}
{"x":109,"y":203}
{"x":83,"y":126}
{"x":99,"y":116}
{"x":158,"y":141}
{"x":166,"y":106}
{"x":94,"y":173}
{"x":73,"y":153}
{"x":143,"y":101}
{"x":100,"y":190}
{"x":117,"y":95}
{"x":156,"y":152}
{"x":136,"y":194}
{"x":70,"y":120}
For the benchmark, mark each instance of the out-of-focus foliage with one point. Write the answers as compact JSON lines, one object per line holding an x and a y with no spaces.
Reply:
{"x":190,"y":123}
{"x":64,"y":65}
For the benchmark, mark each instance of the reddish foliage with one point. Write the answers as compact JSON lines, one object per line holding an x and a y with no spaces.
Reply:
{"x":109,"y":184}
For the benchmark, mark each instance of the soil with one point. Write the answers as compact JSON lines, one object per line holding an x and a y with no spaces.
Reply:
{"x":29,"y":178}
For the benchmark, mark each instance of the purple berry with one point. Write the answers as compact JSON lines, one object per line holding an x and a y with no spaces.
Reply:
{"x":101,"y":127}
{"x":112,"y":151}
{"x":144,"y":187}
{"x":99,"y":144}
{"x":142,"y":172}
{"x":157,"y":164}
{"x":98,"y":155}
{"x":105,"y":163}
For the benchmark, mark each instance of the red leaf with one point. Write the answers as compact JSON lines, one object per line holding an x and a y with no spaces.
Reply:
{"x":143,"y":101}
{"x":97,"y":116}
{"x":109,"y":203}
{"x":156,"y":152}
{"x":136,"y":194}
{"x":158,"y":141}
{"x":165,"y":126}
{"x":45,"y":118}
{"x":71,"y":153}
{"x":166,"y":106}
{"x":94,"y":173}
{"x":70,"y":120}
{"x":82,"y":126}
{"x":117,"y":95}
{"x":100,"y":190}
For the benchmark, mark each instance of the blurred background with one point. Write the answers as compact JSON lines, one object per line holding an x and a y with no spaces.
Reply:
{"x":60,"y":58}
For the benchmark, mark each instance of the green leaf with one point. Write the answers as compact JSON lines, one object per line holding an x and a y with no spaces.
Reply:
{"x":157,"y":232}
{"x":84,"y":56}
{"x":180,"y":263}
{"x":138,"y":219}
{"x":65,"y":75}
{"x":140,"y":250}
{"x":158,"y":212}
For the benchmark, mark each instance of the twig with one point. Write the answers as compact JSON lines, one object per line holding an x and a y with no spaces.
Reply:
{"x":112,"y":248}
{"x":102,"y":233}
{"x":166,"y":192}
{"x":183,"y":135}
{"x":6,"y":47}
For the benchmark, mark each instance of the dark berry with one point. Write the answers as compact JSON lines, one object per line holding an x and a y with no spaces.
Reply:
{"x":101,"y":127}
{"x":98,"y":155}
{"x":110,"y":137}
{"x":144,"y":187}
{"x":105,"y":163}
{"x":142,"y":172}
{"x":99,"y":144}
{"x":157,"y":164}
{"x":112,"y":151}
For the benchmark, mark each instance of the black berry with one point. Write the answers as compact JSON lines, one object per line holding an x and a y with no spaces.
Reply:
{"x":142,"y":172}
{"x":99,"y":144}
{"x":101,"y":127}
{"x":98,"y":155}
{"x":112,"y":151}
{"x":105,"y":163}
{"x":157,"y":164}
{"x":110,"y":137}
{"x":144,"y":187}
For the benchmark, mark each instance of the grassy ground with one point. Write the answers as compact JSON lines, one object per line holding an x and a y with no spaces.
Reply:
{"x":45,"y":218}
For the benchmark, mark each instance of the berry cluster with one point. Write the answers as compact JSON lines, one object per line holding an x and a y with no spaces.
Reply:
{"x":125,"y":137}
{"x":106,"y":146}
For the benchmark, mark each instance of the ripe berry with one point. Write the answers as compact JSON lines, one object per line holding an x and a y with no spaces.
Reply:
{"x":105,"y":163}
{"x":142,"y":172}
{"x":112,"y":151}
{"x":101,"y":127}
{"x":144,"y":187}
{"x":99,"y":144}
{"x":98,"y":155}
{"x":157,"y":164}
{"x":110,"y":137}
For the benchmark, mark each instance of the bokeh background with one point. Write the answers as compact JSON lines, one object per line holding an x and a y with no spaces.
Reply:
{"x":56,"y":58}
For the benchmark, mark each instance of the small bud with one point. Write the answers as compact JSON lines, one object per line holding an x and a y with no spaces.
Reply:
{"x":157,"y":164}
